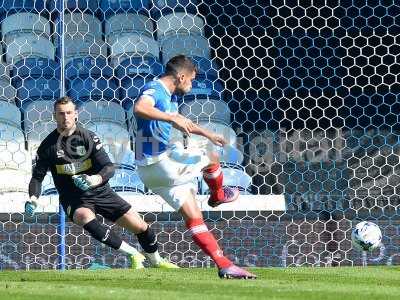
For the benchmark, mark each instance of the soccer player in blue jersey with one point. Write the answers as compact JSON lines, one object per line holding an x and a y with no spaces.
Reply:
{"x":168,"y":170}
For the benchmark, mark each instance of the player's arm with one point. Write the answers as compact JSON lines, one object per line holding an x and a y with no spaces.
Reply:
{"x":100,"y":159}
{"x":216,"y":139}
{"x":145,"y":109}
{"x":35,"y":184}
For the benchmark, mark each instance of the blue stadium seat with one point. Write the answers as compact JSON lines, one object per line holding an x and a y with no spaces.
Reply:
{"x":36,"y":68}
{"x":15,"y":162}
{"x":7,"y":91}
{"x":133,"y":73}
{"x":77,"y":47}
{"x":206,"y":109}
{"x":37,"y":113}
{"x":28,"y":45}
{"x":10,"y":114}
{"x":202,"y":87}
{"x":25,"y":22}
{"x":101,"y":111}
{"x":82,"y":24}
{"x":36,"y":133}
{"x":190,"y":45}
{"x":9,"y":7}
{"x":128,"y":23}
{"x":162,"y":8}
{"x":88,"y":66}
{"x":206,"y":67}
{"x":179,"y":23}
{"x":130,"y":88}
{"x":112,"y":7}
{"x":87,"y":6}
{"x":30,"y":89}
{"x":126,"y":180}
{"x":131,"y":45}
{"x":133,"y":66}
{"x":13,"y":155}
{"x":5,"y":69}
{"x":85,"y":89}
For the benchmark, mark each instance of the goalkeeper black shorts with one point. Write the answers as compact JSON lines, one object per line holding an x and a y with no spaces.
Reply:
{"x":106,"y":203}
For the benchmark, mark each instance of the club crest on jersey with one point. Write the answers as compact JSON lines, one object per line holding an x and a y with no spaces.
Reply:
{"x":60,"y":153}
{"x":149,"y":92}
{"x":80,"y":150}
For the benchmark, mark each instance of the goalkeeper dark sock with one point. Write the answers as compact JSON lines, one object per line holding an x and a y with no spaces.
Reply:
{"x":206,"y":241}
{"x":147,"y":239}
{"x":103,"y":234}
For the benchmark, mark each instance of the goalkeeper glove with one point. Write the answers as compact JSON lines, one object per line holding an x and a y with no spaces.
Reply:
{"x":30,"y":206}
{"x":85,"y":182}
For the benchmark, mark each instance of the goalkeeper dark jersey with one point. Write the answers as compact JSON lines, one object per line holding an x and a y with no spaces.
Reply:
{"x":80,"y":153}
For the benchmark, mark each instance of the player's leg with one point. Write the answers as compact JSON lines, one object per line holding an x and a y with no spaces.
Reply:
{"x":207,"y":242}
{"x":112,"y":207}
{"x":214,"y":178}
{"x":86,"y":218}
{"x":173,"y":180}
{"x":146,"y":237}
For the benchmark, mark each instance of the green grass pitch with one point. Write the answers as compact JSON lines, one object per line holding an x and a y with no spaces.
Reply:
{"x":273,"y":283}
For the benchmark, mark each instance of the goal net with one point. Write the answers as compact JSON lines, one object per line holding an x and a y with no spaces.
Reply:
{"x":305,"y":92}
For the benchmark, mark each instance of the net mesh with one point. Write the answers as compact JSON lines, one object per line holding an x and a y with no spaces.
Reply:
{"x":306,"y":92}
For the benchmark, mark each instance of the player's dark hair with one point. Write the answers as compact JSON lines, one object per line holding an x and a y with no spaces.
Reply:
{"x":179,"y":63}
{"x":63,"y":100}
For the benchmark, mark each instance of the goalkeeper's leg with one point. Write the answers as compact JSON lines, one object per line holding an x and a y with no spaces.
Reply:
{"x":146,"y":237}
{"x":85,"y":217}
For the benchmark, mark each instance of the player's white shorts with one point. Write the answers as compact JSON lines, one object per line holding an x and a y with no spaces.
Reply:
{"x":173,"y":177}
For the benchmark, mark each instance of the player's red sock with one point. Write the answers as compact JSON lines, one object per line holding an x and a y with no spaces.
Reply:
{"x":206,"y":241}
{"x":214,"y":177}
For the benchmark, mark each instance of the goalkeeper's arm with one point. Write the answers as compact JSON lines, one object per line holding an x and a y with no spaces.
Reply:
{"x":38,"y":173}
{"x":35,"y":188}
{"x":35,"y":184}
{"x":100,"y":160}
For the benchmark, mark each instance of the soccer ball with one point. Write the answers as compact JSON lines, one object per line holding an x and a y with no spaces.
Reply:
{"x":366,"y":236}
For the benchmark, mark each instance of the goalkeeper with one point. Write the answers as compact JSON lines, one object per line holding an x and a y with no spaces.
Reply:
{"x":169,"y":170}
{"x":81,"y":169}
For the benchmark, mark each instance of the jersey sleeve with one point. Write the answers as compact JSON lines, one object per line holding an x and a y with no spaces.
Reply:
{"x":96,"y":148}
{"x":149,"y":93}
{"x":42,"y":164}
{"x":93,"y":143}
{"x":39,"y":171}
{"x":100,"y":158}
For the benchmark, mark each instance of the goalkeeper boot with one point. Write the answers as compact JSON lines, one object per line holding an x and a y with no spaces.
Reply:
{"x":165,"y":264}
{"x":137,"y":261}
{"x":156,"y":261}
{"x":230,"y":195}
{"x":234,"y":272}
